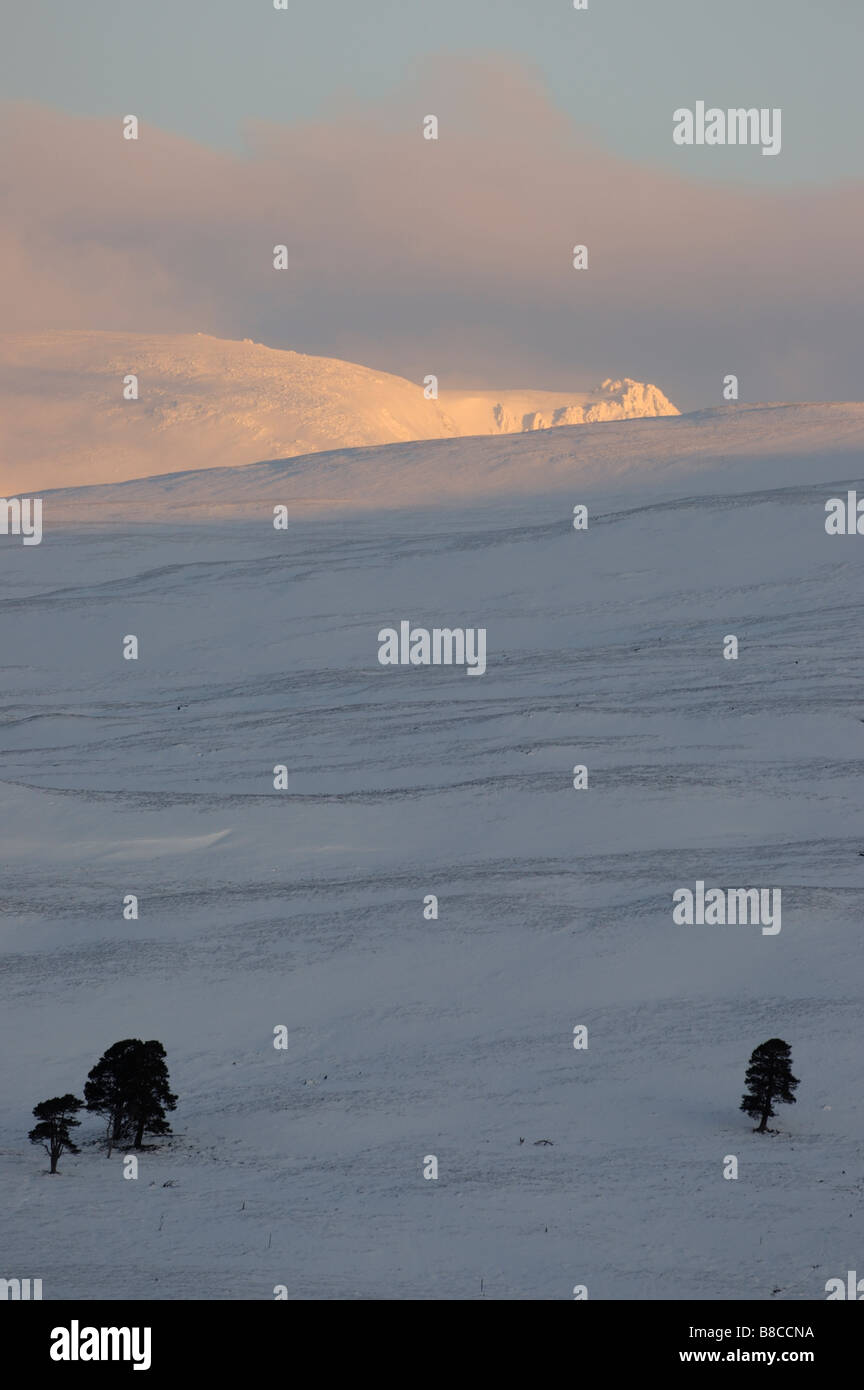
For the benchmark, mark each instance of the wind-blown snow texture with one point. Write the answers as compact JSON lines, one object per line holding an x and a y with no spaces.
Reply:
{"x":304,"y":908}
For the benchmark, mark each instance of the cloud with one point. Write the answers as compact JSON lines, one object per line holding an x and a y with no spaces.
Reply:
{"x":450,"y":256}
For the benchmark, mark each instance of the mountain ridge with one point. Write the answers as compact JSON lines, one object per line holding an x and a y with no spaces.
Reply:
{"x":206,"y":402}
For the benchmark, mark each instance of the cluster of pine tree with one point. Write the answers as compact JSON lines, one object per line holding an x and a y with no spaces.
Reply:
{"x":128,"y":1086}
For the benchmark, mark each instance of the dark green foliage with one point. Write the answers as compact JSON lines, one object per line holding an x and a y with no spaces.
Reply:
{"x":56,"y":1118}
{"x":148,"y":1096}
{"x":105,"y":1089}
{"x":129,"y":1086}
{"x":768,"y":1079}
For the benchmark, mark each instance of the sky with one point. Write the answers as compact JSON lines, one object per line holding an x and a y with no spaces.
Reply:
{"x":303,"y":127}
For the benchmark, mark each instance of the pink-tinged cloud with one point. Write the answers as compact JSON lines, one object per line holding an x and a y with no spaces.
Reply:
{"x":450,"y":256}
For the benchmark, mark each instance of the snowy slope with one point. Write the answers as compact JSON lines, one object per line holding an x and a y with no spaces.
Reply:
{"x":732,"y":449}
{"x":454,"y":1038}
{"x":207,"y":402}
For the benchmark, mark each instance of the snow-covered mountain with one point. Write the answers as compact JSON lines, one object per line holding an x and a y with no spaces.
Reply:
{"x":411,"y":1036}
{"x":207,"y":403}
{"x":510,"y":412}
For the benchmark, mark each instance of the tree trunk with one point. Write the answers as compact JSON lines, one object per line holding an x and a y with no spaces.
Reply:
{"x":139,"y":1134}
{"x":761,"y":1129}
{"x":55,"y":1154}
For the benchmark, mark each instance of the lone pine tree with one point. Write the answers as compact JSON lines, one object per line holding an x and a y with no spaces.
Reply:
{"x":129,"y":1086}
{"x":56,"y":1118}
{"x":768,"y":1079}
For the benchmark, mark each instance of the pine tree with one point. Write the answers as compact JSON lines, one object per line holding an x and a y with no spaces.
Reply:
{"x":768,"y":1079}
{"x":107,"y":1085}
{"x":55,"y":1121}
{"x":148,"y":1096}
{"x":129,"y":1085}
